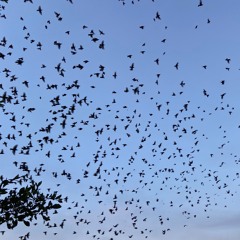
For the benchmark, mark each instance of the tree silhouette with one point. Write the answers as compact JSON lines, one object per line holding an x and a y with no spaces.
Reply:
{"x":25,"y":202}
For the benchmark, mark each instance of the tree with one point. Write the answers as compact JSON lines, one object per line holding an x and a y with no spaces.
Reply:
{"x":25,"y":203}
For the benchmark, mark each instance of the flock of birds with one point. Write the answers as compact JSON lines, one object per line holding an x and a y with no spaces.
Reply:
{"x":122,"y":152}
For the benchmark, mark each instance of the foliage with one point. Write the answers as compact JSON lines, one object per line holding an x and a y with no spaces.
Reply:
{"x":25,"y":203}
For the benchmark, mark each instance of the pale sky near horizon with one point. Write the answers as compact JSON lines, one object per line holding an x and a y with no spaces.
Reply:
{"x":149,"y":92}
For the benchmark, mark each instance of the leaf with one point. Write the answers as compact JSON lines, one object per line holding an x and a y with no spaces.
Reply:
{"x":9,"y":226}
{"x":27,"y":223}
{"x":2,"y":220}
{"x":15,"y":223}
{"x":39,"y":183}
{"x":21,"y":217}
{"x":3,"y":191}
{"x":5,"y":182}
{"x":56,"y":206}
{"x":46,"y":218}
{"x":16,"y":177}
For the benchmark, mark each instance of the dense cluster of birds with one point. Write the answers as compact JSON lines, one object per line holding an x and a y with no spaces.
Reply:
{"x":124,"y":152}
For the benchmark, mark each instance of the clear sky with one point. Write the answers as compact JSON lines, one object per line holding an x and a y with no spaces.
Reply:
{"x":142,"y":102}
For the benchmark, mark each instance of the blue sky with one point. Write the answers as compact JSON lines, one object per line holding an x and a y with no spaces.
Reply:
{"x":157,"y":145}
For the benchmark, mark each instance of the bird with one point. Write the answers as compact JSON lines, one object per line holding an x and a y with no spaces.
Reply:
{"x":200,"y":4}
{"x":39,"y":10}
{"x":228,"y":60}
{"x":176,"y":65}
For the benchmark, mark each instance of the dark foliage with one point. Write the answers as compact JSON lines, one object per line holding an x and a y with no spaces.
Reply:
{"x":21,"y":200}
